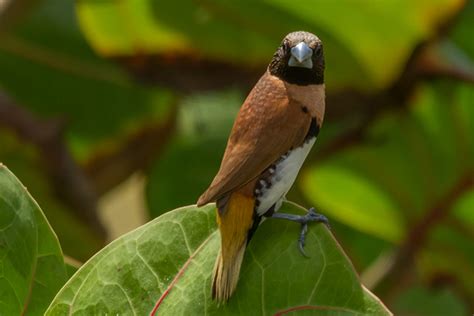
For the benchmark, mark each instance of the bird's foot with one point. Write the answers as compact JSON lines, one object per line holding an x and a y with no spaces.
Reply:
{"x":311,"y":216}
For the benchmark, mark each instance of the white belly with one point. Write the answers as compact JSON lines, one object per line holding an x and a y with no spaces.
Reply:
{"x":283,"y":178}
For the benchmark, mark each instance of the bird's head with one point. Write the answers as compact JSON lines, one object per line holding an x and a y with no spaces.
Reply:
{"x":299,"y":59}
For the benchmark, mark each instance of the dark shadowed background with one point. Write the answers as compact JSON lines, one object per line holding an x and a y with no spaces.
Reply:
{"x":113,"y":112}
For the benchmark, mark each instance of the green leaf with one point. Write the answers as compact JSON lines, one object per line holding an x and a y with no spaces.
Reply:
{"x":169,"y":261}
{"x":345,"y":194}
{"x":31,"y":263}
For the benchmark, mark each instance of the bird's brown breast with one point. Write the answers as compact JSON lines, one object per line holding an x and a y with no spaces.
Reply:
{"x":310,"y":97}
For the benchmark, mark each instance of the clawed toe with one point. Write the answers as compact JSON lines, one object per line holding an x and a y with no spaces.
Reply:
{"x":302,"y":238}
{"x":301,"y":247}
{"x":304,"y":220}
{"x":312,"y":216}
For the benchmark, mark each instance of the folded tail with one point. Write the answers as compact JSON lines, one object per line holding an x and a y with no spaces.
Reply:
{"x":235,"y":220}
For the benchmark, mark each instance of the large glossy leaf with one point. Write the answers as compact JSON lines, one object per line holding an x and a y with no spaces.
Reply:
{"x":167,"y":264}
{"x":32,"y":269}
{"x":249,"y":31}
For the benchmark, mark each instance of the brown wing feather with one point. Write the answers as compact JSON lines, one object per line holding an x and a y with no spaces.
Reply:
{"x":267,"y":126}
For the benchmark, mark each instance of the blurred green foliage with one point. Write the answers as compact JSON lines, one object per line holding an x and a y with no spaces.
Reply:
{"x":393,"y":165}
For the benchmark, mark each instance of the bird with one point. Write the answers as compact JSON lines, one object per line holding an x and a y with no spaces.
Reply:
{"x":271,"y":137}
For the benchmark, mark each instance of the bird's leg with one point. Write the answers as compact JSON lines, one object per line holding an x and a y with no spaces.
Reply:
{"x":311,"y":216}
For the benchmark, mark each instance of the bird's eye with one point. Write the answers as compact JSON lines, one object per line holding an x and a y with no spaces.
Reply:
{"x":318,"y":51}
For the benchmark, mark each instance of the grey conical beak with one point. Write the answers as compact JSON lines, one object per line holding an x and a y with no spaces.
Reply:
{"x":301,"y":56}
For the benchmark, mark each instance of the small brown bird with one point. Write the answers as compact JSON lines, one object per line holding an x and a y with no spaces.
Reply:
{"x":274,"y":131}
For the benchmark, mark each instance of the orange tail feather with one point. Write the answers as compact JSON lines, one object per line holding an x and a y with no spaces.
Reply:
{"x":234,"y":223}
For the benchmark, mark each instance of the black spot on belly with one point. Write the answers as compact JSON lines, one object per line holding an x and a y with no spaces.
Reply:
{"x":313,"y":130}
{"x":264,"y":183}
{"x":256,"y":221}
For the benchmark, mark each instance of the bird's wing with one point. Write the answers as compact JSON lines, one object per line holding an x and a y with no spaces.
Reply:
{"x":268,"y":125}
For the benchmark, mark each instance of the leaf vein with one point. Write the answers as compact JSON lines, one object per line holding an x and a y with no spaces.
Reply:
{"x":150,"y":268}
{"x":322,"y":271}
{"x":185,"y":238}
{"x":180,"y":273}
{"x":124,"y":293}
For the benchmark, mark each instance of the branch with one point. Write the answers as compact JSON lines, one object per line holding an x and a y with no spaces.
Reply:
{"x":185,"y":73}
{"x":68,"y":179}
